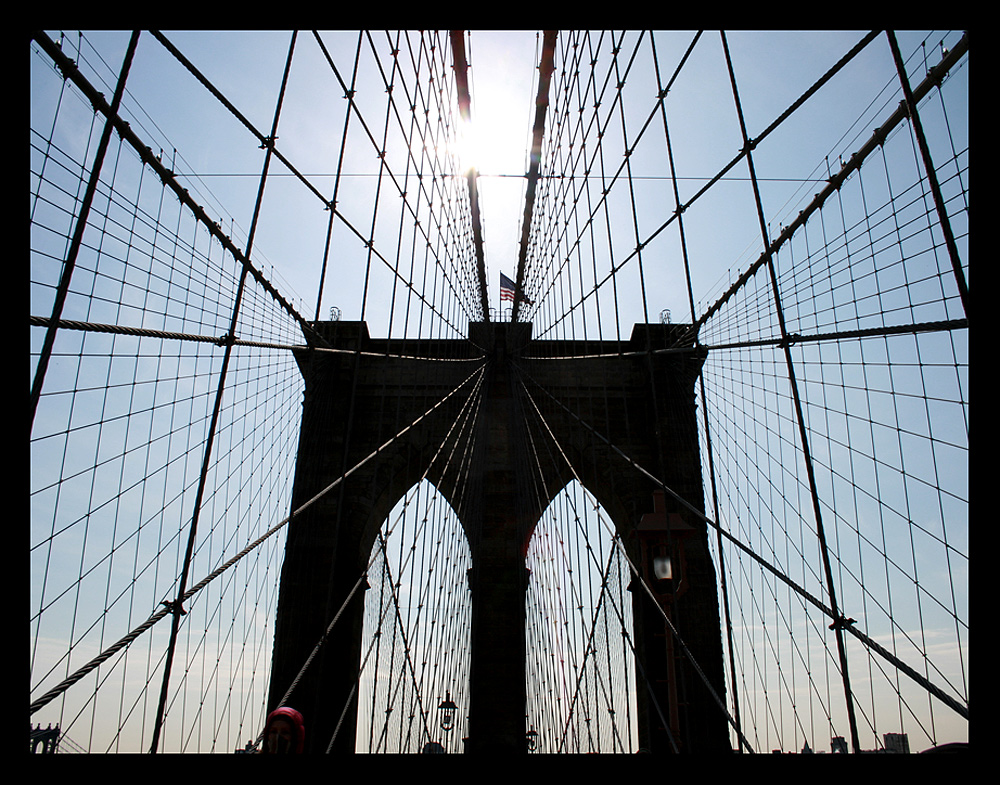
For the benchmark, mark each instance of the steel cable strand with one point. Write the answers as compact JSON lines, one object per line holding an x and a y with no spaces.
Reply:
{"x":536,"y":634}
{"x":620,"y":614}
{"x":605,"y":572}
{"x":881,"y":550}
{"x":270,"y":144}
{"x":349,"y":94}
{"x":224,"y":340}
{"x":177,"y":605}
{"x":394,"y":604}
{"x":402,"y":630}
{"x":840,"y":621}
{"x":636,"y":573}
{"x":724,"y":589}
{"x":592,"y":648}
{"x":770,"y":514}
{"x":805,"y":446}
{"x":69,"y":263}
{"x":425,"y":134}
{"x":474,"y":396}
{"x":934,"y":78}
{"x":470,"y":419}
{"x":169,"y":606}
{"x":373,"y":558}
{"x":336,"y":183}
{"x":542,"y":494}
{"x":944,"y":540}
{"x":944,"y":224}
{"x":169,"y":178}
{"x":607,"y":186}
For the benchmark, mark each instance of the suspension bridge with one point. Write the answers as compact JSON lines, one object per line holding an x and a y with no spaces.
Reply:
{"x":651,"y":436}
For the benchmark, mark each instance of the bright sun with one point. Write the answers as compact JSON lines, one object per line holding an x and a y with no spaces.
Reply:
{"x":496,"y":140}
{"x":493,"y":144}
{"x":473,"y":147}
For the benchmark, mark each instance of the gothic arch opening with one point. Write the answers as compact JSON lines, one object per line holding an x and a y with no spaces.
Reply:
{"x":580,"y":666}
{"x":417,"y":622}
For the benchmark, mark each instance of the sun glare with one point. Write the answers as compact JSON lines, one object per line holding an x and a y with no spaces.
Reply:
{"x":469,"y":147}
{"x":492,"y":146}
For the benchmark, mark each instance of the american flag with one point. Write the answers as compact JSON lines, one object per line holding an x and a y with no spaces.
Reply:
{"x":506,"y":288}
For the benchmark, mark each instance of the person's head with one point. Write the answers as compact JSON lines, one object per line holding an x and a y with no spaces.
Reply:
{"x":284,"y":732}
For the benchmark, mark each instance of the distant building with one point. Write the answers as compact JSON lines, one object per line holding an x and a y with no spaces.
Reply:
{"x":47,"y":739}
{"x":896,"y":742}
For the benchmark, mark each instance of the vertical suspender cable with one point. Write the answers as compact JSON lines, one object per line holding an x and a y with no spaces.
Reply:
{"x":175,"y":606}
{"x":839,"y":622}
{"x":81,"y":225}
{"x":680,"y":689}
{"x":349,"y":95}
{"x":723,"y":583}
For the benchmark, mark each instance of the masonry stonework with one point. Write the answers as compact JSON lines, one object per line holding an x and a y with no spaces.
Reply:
{"x":587,"y":403}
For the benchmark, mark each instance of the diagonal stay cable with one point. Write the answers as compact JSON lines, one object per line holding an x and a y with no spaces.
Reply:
{"x":836,"y":68}
{"x":168,"y":608}
{"x":407,"y":650}
{"x":838,"y":621}
{"x":619,"y":611}
{"x":609,"y":184}
{"x":270,"y":144}
{"x":169,"y":178}
{"x":631,"y":565}
{"x":177,"y":606}
{"x":69,"y":264}
{"x":604,"y":572}
{"x":464,"y":417}
{"x":934,"y":78}
{"x":944,"y":223}
{"x":349,"y":94}
{"x":265,"y":141}
{"x":472,"y":396}
{"x":591,"y":649}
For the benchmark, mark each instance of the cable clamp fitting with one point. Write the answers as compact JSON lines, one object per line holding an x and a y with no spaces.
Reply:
{"x":175,"y":607}
{"x":843,"y":623}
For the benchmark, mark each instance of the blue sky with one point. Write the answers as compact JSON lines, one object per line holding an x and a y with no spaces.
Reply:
{"x":773,"y":69}
{"x":220,"y":163}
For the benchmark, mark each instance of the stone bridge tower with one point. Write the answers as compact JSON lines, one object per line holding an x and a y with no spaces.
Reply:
{"x":594,"y":397}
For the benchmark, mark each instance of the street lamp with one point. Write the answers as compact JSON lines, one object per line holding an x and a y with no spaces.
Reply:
{"x":661,"y":540}
{"x":664,"y":569}
{"x":532,"y":738}
{"x":447,"y":709}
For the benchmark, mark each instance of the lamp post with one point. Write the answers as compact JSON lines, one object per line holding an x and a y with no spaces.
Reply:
{"x":531,"y":737}
{"x":664,"y":569}
{"x":447,"y":709}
